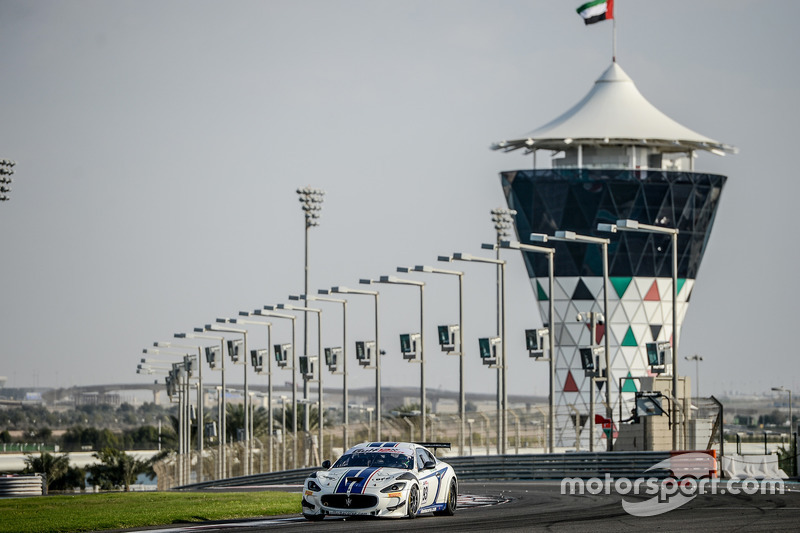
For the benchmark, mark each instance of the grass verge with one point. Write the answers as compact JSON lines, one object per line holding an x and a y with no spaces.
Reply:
{"x":119,"y":510}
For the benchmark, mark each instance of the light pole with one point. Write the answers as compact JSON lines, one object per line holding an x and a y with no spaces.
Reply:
{"x":221,"y":415}
{"x":503,"y":220}
{"x":592,"y":317}
{"x":180,"y":372}
{"x":460,"y":353}
{"x":791,"y":420}
{"x":200,"y":399}
{"x":550,"y":252}
{"x":269,"y":374}
{"x":502,"y":393}
{"x":312,"y":205}
{"x":172,"y":374}
{"x":392,"y":280}
{"x":283,"y":429}
{"x":375,"y":295}
{"x":570,"y":237}
{"x":697,"y":358}
{"x":345,"y":417}
{"x":267,"y":311}
{"x":320,"y":407}
{"x":792,"y":437}
{"x":636,"y":226}
{"x":243,"y":333}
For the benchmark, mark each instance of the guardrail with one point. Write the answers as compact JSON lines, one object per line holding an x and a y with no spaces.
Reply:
{"x":283,"y":477}
{"x":14,"y":486}
{"x":583,"y":465}
{"x":559,"y":465}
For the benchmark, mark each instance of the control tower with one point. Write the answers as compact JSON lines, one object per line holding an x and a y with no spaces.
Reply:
{"x":612,"y":156}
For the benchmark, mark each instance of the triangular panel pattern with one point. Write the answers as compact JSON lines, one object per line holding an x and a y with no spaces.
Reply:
{"x":630,"y":326}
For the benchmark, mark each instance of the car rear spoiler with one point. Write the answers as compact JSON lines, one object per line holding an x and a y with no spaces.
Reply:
{"x":434,"y":445}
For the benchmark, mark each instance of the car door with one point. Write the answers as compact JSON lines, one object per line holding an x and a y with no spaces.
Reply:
{"x":429,"y":478}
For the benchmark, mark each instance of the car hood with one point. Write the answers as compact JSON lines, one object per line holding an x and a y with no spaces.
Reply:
{"x":357,"y":479}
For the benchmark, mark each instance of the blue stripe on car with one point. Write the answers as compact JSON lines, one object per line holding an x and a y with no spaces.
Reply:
{"x":364,"y":475}
{"x":356,"y":488}
{"x":342,"y":486}
{"x":434,"y":507}
{"x":435,"y":473}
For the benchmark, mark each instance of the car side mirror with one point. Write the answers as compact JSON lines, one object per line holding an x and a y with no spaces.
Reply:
{"x":326,"y":464}
{"x":429,"y":465}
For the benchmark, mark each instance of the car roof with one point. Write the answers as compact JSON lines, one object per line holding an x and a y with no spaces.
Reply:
{"x":385,"y":447}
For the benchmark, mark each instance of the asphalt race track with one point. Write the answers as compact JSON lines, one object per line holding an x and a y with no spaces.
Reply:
{"x":540,"y":506}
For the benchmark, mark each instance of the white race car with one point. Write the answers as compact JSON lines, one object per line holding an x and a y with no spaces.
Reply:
{"x":387,"y":479}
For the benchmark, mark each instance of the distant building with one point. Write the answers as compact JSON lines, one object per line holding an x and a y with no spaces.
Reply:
{"x":97,"y":398}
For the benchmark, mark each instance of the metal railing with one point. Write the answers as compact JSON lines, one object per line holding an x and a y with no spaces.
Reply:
{"x":559,"y":465}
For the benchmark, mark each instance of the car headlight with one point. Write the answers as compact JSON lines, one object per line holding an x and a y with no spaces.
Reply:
{"x":313,"y":486}
{"x":394,"y":487}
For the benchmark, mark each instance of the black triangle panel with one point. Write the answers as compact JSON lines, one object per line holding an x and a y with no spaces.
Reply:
{"x":582,"y":292}
{"x":655,"y":331}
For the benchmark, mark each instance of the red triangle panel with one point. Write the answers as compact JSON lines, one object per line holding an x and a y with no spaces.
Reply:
{"x":652,"y":294}
{"x":570,"y":385}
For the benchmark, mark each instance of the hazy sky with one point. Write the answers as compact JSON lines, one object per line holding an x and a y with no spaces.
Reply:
{"x":159,"y":146}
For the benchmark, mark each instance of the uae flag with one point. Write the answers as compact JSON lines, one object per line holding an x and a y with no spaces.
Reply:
{"x":596,"y":10}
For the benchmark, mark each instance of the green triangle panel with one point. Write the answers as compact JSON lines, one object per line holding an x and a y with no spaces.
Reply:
{"x":629,"y":385}
{"x":681,"y":281}
{"x":540,"y":294}
{"x":621,"y":284}
{"x":629,"y":339}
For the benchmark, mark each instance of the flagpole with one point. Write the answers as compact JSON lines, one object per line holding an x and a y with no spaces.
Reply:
{"x":614,"y":39}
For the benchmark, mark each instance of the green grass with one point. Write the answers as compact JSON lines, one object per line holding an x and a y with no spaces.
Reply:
{"x":118,"y":510}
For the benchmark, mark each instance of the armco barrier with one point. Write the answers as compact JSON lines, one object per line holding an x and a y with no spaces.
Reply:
{"x":583,"y":465}
{"x":559,"y":465}
{"x":283,"y":477}
{"x":502,"y":467}
{"x":14,"y":486}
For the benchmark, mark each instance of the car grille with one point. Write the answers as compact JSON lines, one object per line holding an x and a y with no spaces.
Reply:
{"x":353,"y":501}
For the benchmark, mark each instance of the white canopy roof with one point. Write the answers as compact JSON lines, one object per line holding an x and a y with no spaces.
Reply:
{"x":614,"y":112}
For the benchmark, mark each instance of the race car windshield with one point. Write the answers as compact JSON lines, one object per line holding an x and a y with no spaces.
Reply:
{"x":377,"y":459}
